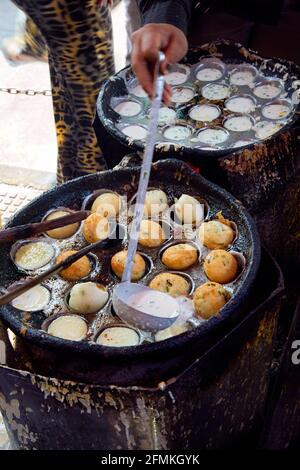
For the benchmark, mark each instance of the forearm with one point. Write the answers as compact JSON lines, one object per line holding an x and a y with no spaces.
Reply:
{"x":174,"y":12}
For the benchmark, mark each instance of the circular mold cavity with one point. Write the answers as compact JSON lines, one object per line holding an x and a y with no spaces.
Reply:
{"x":213,"y":135}
{"x":156,"y":203}
{"x":277,"y":110}
{"x":222,"y":266}
{"x":182,"y":95}
{"x":34,"y":300}
{"x":84,"y":299}
{"x":177,"y":133}
{"x":91,"y":198}
{"x":243,"y":75}
{"x":94,"y":269}
{"x":178,"y":225}
{"x":239,"y":123}
{"x":215,"y":91}
{"x":128,"y":108}
{"x":215,"y":242}
{"x":166,"y":116}
{"x":148,"y":263}
{"x":209,"y":71}
{"x":66,"y":326}
{"x":134,"y":131}
{"x":184,"y":275}
{"x":268,"y":89}
{"x":188,"y":211}
{"x":177,"y":75}
{"x":117,"y":335}
{"x":241,"y":104}
{"x":33,"y":254}
{"x":182,"y":261}
{"x":204,"y":112}
{"x":62,"y":233}
{"x":97,"y":227}
{"x":241,"y":260}
{"x":265,"y":129}
{"x":154,"y":241}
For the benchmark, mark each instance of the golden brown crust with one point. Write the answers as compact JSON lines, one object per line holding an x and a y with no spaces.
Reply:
{"x":95,"y":228}
{"x":181,"y":256}
{"x":152,"y":234}
{"x":215,"y":234}
{"x":221,"y":266}
{"x":118,"y":264}
{"x":172,"y":284}
{"x":209,"y":298}
{"x":81,"y":268}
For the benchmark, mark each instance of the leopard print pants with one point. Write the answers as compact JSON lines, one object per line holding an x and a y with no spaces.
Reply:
{"x":78,"y":37}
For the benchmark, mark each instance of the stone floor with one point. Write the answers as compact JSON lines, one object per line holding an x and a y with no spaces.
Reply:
{"x":28,"y":150}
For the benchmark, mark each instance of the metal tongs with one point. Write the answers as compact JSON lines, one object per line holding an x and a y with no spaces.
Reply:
{"x":126,"y":290}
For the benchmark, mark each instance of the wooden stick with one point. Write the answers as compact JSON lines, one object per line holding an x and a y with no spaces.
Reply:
{"x":24,"y":231}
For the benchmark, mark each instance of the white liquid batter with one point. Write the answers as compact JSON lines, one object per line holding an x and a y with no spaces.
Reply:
{"x":204,"y":112}
{"x":135,"y":132}
{"x":240,"y":104}
{"x":276,"y":111}
{"x":182,"y":95}
{"x":242,"y":77}
{"x":33,"y":300}
{"x":118,"y":336}
{"x":175,"y":78}
{"x":215,"y":91}
{"x":177,"y":133}
{"x":265,"y":129}
{"x":128,"y":108}
{"x":68,"y":327}
{"x":166,"y":116}
{"x":34,"y":255}
{"x":208,"y":74}
{"x":212,"y":136}
{"x":238,"y":123}
{"x":154,"y":303}
{"x":267,"y":91}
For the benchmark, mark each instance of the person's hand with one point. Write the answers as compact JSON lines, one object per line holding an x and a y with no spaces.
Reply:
{"x":146,"y":44}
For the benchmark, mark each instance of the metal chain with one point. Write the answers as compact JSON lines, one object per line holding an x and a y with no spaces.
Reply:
{"x":15,"y":91}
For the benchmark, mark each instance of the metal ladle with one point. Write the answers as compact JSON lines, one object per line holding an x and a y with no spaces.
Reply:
{"x":131,"y":301}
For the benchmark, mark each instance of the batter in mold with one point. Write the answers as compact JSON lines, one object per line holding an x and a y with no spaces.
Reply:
{"x":177,"y":133}
{"x":209,"y":74}
{"x":267,"y":91}
{"x":240,"y":104}
{"x":265,"y":129}
{"x":276,"y":111}
{"x":239,"y":123}
{"x":212,"y":136}
{"x":128,"y":108}
{"x":182,"y":95}
{"x":135,"y":132}
{"x":215,"y":91}
{"x":204,"y":112}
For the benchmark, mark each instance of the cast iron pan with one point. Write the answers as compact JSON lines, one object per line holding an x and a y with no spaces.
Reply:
{"x":229,"y":53}
{"x":90,"y":362}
